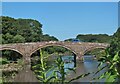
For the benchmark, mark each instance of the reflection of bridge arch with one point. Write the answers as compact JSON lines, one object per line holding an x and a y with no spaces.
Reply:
{"x":93,"y":48}
{"x":12,"y":49}
{"x":48,"y":45}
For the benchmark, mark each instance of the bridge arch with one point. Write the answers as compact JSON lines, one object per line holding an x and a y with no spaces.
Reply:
{"x":33,"y":51}
{"x":12,"y":49}
{"x":93,"y":48}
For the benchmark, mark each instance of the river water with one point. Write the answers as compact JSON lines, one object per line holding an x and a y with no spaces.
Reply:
{"x":88,"y":65}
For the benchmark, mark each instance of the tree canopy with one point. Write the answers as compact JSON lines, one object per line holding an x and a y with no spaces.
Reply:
{"x":112,"y":57}
{"x":102,"y":38}
{"x":22,"y":30}
{"x":115,"y":44}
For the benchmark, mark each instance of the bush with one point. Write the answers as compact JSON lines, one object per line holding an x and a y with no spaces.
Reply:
{"x":4,"y":61}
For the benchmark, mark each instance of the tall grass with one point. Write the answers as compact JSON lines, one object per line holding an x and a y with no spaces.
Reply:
{"x":58,"y":74}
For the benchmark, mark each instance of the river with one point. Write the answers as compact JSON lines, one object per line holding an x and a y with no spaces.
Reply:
{"x":88,"y":65}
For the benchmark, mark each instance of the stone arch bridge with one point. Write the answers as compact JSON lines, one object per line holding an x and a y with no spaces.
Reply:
{"x":27,"y":49}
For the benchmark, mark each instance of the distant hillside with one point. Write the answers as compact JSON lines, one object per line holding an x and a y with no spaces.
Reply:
{"x":102,"y":38}
{"x":22,"y":30}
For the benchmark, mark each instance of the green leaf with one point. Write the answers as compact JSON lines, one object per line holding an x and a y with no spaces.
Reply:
{"x":78,"y":77}
{"x":100,"y":64}
{"x":100,"y":70}
{"x":40,"y":76}
{"x":72,"y":69}
{"x":50,"y":78}
{"x":38,"y":71}
{"x":111,"y":78}
{"x":102,"y":76}
{"x":49,"y":69}
{"x":116,"y":57}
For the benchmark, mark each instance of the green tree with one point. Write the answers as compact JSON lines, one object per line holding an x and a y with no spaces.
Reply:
{"x":46,"y":37}
{"x":1,"y":40}
{"x":115,"y":44}
{"x":18,"y":39}
{"x":102,"y":38}
{"x":8,"y":38}
{"x":29,"y":29}
{"x":112,"y":57}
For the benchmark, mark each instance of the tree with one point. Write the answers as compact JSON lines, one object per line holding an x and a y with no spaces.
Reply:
{"x":18,"y":39}
{"x":46,"y":37}
{"x":8,"y":38}
{"x":28,"y":30}
{"x":102,"y":38}
{"x":115,"y":44}
{"x":112,"y":57}
{"x":1,"y":39}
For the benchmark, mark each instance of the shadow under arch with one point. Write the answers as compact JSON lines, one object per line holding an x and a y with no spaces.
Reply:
{"x":94,"y":56}
{"x":53,"y":45}
{"x":24,"y":74}
{"x":1,"y":49}
{"x":93,"y":48}
{"x":14,"y":62}
{"x":49,"y":45}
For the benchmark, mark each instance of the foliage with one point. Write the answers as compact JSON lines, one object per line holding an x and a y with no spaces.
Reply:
{"x":20,"y":62}
{"x":8,"y":76}
{"x":101,"y":38}
{"x":117,"y":34}
{"x":8,"y":37}
{"x":11,"y":55}
{"x":78,"y":77}
{"x":115,"y":44}
{"x":112,"y":57}
{"x":61,"y":73}
{"x":42,"y":70}
{"x":112,"y":74}
{"x":1,"y":81}
{"x":60,"y":70}
{"x":22,"y":30}
{"x":46,"y":37}
{"x":97,"y":53}
{"x":58,"y":74}
{"x":3,"y":61}
{"x":57,"y":49}
{"x":1,"y":40}
{"x":18,"y":38}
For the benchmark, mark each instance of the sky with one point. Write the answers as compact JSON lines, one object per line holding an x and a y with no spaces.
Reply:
{"x":60,"y":0}
{"x":67,"y":19}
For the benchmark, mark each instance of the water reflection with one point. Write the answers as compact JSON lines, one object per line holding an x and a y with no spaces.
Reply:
{"x":89,"y":65}
{"x":69,"y":61}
